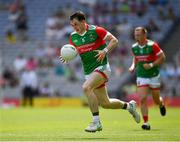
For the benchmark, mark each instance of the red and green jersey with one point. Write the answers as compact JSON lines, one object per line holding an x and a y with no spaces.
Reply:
{"x":146,"y":54}
{"x":92,"y":39}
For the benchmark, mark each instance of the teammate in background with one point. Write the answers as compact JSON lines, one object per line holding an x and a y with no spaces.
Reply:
{"x":90,"y":42}
{"x":147,"y":58}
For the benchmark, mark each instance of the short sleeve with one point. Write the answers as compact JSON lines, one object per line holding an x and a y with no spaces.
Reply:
{"x":70,"y":41}
{"x":101,"y":32}
{"x":157,"y":50}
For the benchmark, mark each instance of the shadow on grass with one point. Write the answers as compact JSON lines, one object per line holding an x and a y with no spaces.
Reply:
{"x":82,"y":139}
{"x":141,"y":130}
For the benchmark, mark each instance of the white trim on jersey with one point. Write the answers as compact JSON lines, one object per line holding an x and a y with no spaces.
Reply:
{"x":79,"y":34}
{"x":108,"y":33}
{"x":159,"y":53}
{"x":142,"y":46}
{"x":83,"y":33}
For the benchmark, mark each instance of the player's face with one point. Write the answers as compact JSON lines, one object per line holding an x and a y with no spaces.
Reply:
{"x":139,"y":35}
{"x":79,"y":26}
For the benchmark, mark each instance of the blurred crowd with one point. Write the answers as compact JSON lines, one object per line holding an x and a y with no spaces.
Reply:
{"x":18,"y":19}
{"x":115,"y":16}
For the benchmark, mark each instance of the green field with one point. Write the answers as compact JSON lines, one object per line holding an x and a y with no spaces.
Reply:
{"x":67,"y":124}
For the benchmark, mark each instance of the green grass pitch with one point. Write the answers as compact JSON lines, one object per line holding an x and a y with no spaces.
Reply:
{"x":67,"y":124}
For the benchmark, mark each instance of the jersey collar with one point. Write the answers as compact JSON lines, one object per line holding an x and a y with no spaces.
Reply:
{"x":87,"y":27}
{"x":142,"y":46}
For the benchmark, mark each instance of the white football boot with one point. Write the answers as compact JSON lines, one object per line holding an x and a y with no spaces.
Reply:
{"x":94,"y":126}
{"x":133,"y":112}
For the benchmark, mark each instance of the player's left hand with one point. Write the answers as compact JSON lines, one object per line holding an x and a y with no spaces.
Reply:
{"x":147,"y":66}
{"x":100,"y":55}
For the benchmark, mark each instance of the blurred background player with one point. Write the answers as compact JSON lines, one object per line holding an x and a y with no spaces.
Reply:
{"x":90,"y":41}
{"x":29,"y":84}
{"x":148,"y":56}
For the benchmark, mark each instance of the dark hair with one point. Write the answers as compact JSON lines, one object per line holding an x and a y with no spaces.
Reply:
{"x":143,"y":29}
{"x":79,"y":15}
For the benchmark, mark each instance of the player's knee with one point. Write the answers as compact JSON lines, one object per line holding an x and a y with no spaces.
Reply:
{"x":105,"y":105}
{"x":86,"y":88}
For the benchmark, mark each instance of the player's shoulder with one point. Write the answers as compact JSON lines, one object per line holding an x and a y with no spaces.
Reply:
{"x":134,"y":45}
{"x":92,"y":27}
{"x":73,"y":33}
{"x":150,"y":42}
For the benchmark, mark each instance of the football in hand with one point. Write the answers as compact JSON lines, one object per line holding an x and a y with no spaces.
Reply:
{"x":68,"y":52}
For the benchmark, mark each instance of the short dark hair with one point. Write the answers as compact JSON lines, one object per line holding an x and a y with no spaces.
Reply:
{"x":143,"y":29}
{"x":79,"y":15}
